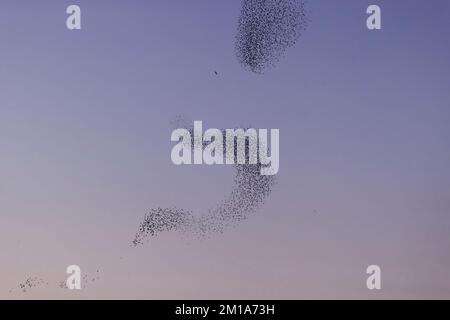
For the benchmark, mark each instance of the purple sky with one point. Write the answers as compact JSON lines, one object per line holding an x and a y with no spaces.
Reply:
{"x":85,"y":150}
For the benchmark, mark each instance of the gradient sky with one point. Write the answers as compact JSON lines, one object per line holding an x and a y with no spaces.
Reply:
{"x":85,"y":123}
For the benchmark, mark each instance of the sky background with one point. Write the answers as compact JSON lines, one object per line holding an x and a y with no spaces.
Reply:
{"x":85,"y":124}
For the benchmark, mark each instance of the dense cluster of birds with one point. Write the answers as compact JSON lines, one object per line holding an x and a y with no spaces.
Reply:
{"x":249,"y":191}
{"x":266,"y":29}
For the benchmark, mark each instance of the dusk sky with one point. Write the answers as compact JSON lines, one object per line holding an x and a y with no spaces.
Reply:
{"x":85,"y":124}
